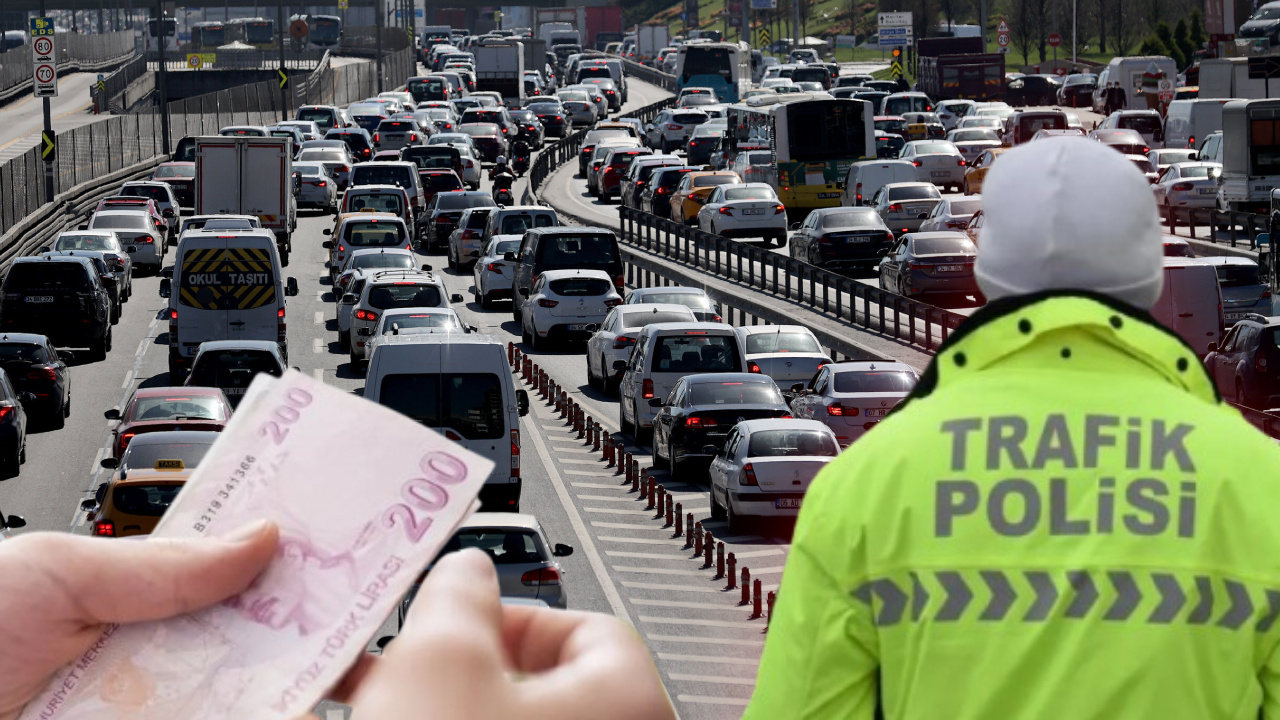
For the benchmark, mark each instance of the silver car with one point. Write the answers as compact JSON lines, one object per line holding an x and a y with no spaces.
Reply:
{"x":333,"y":154}
{"x":937,"y":161}
{"x":578,"y":107}
{"x":115,"y":253}
{"x":1243,"y":290}
{"x":787,"y":353}
{"x":904,"y":206}
{"x":319,"y":189}
{"x":671,"y":128}
{"x":395,"y":133}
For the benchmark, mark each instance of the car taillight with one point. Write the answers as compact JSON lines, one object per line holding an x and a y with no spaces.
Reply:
{"x":614,"y":302}
{"x":779,"y":208}
{"x":363,"y":314}
{"x":42,"y":374}
{"x":544,"y":302}
{"x":145,"y":239}
{"x":1191,"y":141}
{"x":824,"y":239}
{"x":494,"y":267}
{"x":515,"y":453}
{"x":543,"y":576}
{"x":917,"y":163}
{"x":413,"y":137}
{"x":124,"y":441}
{"x":619,"y":282}
{"x":322,"y":183}
{"x":560,"y":117}
{"x":726,"y":211}
{"x":622,"y":343}
{"x":104,"y":528}
{"x":700,"y":421}
{"x":375,"y":138}
{"x":674,"y":127}
{"x":646,"y":389}
{"x":752,"y":367}
{"x":960,"y":162}
{"x":748,"y":476}
{"x":1183,"y":186}
{"x":1146,"y":149}
{"x":662,"y":191}
{"x":896,"y":207}
{"x":344,"y":168}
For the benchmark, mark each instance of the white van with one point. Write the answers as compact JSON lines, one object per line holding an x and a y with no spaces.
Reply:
{"x":1128,"y":71}
{"x":868,"y":176}
{"x":1191,"y":303}
{"x":224,"y":285}
{"x":1190,"y":120}
{"x":666,"y":352}
{"x":458,"y":385}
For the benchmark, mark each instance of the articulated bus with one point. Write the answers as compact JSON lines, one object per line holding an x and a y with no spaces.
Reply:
{"x":814,"y":139}
{"x":724,"y":67}
{"x":258,"y":32}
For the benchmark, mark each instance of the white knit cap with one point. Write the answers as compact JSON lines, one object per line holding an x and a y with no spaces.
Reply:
{"x":1068,"y":213}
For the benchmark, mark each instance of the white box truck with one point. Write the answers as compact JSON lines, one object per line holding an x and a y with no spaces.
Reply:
{"x":649,"y":40}
{"x":249,"y":176}
{"x":1250,"y":155}
{"x":1128,"y":71}
{"x":500,"y":68}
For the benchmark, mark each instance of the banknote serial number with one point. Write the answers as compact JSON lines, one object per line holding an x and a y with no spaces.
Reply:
{"x":229,"y":485}
{"x":425,"y":494}
{"x":280,"y":420}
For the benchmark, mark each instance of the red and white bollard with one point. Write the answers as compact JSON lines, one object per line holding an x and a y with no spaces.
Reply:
{"x":670,"y":512}
{"x":746,"y":586}
{"x":697,"y":538}
{"x":755,"y":600}
{"x":688,"y":538}
{"x":679,"y":520}
{"x":732,"y":573}
{"x":708,"y":544}
{"x":719,"y":560}
{"x":607,"y":449}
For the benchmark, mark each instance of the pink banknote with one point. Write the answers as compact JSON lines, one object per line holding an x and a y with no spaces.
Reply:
{"x":364,"y":498}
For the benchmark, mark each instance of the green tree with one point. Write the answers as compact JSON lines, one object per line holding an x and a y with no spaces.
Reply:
{"x":1166,"y":39}
{"x":1197,"y":36}
{"x":1183,"y":43}
{"x":1153,"y":45}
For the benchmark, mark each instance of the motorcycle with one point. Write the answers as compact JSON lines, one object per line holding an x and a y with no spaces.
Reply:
{"x":520,"y":164}
{"x":502,"y":194}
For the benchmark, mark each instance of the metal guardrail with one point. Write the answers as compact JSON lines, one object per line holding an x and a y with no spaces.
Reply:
{"x":566,"y":148}
{"x":650,"y":75}
{"x":246,"y":59}
{"x":1253,"y":224}
{"x":114,"y":84}
{"x":74,"y":51}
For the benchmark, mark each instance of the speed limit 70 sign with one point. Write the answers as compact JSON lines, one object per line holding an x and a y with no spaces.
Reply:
{"x":44,"y":66}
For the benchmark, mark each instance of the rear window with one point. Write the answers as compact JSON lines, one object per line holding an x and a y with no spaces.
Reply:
{"x":624,"y":159}
{"x":1145,"y":124}
{"x":1035,"y":123}
{"x":467,"y":403}
{"x":695,"y":301}
{"x":867,"y":382}
{"x":634,"y":320}
{"x":933,"y":246}
{"x":975,"y":135}
{"x":323,"y":118}
{"x":503,"y":546}
{"x":382,"y":260}
{"x":369,"y":233}
{"x":518,"y":223}
{"x":713,"y":180}
{"x":424,"y":320}
{"x":178,"y":407}
{"x":24,"y":352}
{"x":144,"y":499}
{"x":1237,"y":275}
{"x":965,"y":207}
{"x":939,"y":148}
{"x":1195,"y":171}
{"x":133,"y":221}
{"x":580,"y":287}
{"x":577,"y":251}
{"x":459,"y":201}
{"x":734,"y":393}
{"x":382,"y":202}
{"x":781,"y":342}
{"x":145,"y":455}
{"x":1169,"y":157}
{"x":914,"y":192}
{"x":47,"y":275}
{"x":233,"y":368}
{"x":382,"y":175}
{"x":749,"y":194}
{"x":441,"y":181}
{"x":477,"y":219}
{"x":176,"y":171}
{"x":672,"y":178}
{"x":783,"y":443}
{"x":480,"y":129}
{"x":84,"y":242}
{"x":697,"y":353}
{"x":853,"y":219}
{"x":403,"y":295}
{"x":690,"y":118}
{"x":395,"y":126}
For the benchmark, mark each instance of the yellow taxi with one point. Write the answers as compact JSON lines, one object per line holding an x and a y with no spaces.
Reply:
{"x":977,"y":170}
{"x":691,"y":194}
{"x":146,"y":481}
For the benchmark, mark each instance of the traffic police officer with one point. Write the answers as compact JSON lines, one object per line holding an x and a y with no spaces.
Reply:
{"x":1063,"y":520}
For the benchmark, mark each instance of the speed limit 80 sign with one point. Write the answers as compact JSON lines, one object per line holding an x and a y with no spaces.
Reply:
{"x":44,"y":66}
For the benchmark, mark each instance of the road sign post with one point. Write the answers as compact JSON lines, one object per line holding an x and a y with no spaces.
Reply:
{"x":1054,"y":41}
{"x":45,"y":76}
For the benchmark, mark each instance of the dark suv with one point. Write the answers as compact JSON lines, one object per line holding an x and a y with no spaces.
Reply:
{"x":1246,"y":368}
{"x":563,"y":248}
{"x":59,"y":297}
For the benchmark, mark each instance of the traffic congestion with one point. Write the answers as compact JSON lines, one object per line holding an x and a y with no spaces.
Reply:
{"x":397,"y":248}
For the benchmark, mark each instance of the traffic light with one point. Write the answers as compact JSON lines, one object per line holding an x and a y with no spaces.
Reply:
{"x":897,"y":53}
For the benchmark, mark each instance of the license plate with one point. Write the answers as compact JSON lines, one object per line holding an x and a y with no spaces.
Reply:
{"x":787,"y":503}
{"x":752,"y":212}
{"x":39,"y":298}
{"x":828,"y":196}
{"x":852,"y":240}
{"x":876,"y":412}
{"x":233,"y":391}
{"x":1234,"y":315}
{"x":950,"y":268}
{"x":577,"y":328}
{"x":191,"y":351}
{"x":939,"y":173}
{"x":1208,"y":191}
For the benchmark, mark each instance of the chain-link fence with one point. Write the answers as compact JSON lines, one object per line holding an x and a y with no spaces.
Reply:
{"x":83,"y":52}
{"x":113,"y":144}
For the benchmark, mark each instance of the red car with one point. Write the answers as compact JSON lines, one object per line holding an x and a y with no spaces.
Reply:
{"x":137,"y":203}
{"x":181,"y":176}
{"x":168,"y":408}
{"x":435,"y":182}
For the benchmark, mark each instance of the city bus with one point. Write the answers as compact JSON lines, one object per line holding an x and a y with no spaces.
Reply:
{"x":170,"y":36}
{"x":208,"y":35}
{"x":724,"y":67}
{"x":324,"y":31}
{"x":814,"y":138}
{"x":258,"y":32}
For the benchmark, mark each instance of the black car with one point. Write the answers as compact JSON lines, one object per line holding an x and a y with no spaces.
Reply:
{"x":938,"y":264}
{"x":698,"y":413}
{"x":1246,"y":368}
{"x":655,"y":198}
{"x":637,"y":178}
{"x":40,"y":375}
{"x":101,"y":263}
{"x":842,"y":239}
{"x":563,"y":247}
{"x":1265,"y":23}
{"x":434,"y":157}
{"x":1032,"y":90}
{"x":702,"y":142}
{"x":13,"y":427}
{"x":358,"y":141}
{"x":551,"y":115}
{"x":444,"y":211}
{"x":889,"y":145}
{"x":61,"y":297}
{"x":1077,"y":90}
{"x":529,"y":126}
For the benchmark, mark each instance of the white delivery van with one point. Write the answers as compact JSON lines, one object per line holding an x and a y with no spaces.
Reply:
{"x":1128,"y":71}
{"x":1190,"y":120}
{"x":224,"y":285}
{"x":460,"y":386}
{"x":249,"y":176}
{"x":666,"y":352}
{"x":1191,"y":303}
{"x":868,"y":176}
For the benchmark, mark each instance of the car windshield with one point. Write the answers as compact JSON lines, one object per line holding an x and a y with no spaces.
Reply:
{"x":381,"y":261}
{"x":224,"y":368}
{"x":964,"y":207}
{"x":462,"y":201}
{"x":145,"y":455}
{"x":580,"y":287}
{"x":852,"y":219}
{"x":940,"y":245}
{"x":697,"y":351}
{"x":176,"y":171}
{"x":374,"y":233}
{"x":84,"y":242}
{"x":781,"y":342}
{"x":974,"y":135}
{"x":760,"y":193}
{"x":178,"y":406}
{"x":403,"y":295}
{"x":517,"y":224}
{"x":421,"y":320}
{"x":874,"y":381}
{"x":734,"y":393}
{"x":470,"y":404}
{"x":1237,"y":275}
{"x":130,"y":221}
{"x":639,"y":319}
{"x":914,"y":192}
{"x":381,"y":202}
{"x":784,"y":443}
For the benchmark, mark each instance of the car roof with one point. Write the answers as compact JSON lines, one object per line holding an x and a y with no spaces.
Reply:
{"x":16,"y":337}
{"x":761,"y":424}
{"x":677,"y":327}
{"x":521,"y":521}
{"x":561,"y":274}
{"x":762,"y":329}
{"x":721,"y":377}
{"x":570,"y":230}
{"x":80,"y":259}
{"x":370,"y":189}
{"x":1228,"y":260}
{"x":358,"y":252}
{"x":177,"y":390}
{"x":912,"y":183}
{"x":641,"y":292}
{"x":877,"y":366}
{"x":166,"y":437}
{"x":939,"y":235}
{"x":99,"y":231}
{"x":270,"y":346}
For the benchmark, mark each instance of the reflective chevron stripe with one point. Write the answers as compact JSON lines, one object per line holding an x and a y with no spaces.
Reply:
{"x":1035,"y":596}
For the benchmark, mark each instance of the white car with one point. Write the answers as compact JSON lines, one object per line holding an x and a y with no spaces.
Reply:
{"x":937,"y":161}
{"x":1164,"y":157}
{"x":492,"y":272}
{"x":952,"y":213}
{"x":465,"y":242}
{"x":566,"y":305}
{"x":776,"y":82}
{"x":616,"y":337}
{"x":983,"y":122}
{"x":135,"y":229}
{"x":766,"y":467}
{"x":744,"y":210}
{"x":672,"y":127}
{"x":972,"y":142}
{"x":360,"y":261}
{"x":412,"y":321}
{"x":387,"y":290}
{"x":851,"y":397}
{"x":951,"y":112}
{"x":696,"y":299}
{"x":1187,"y":185}
{"x":309,"y":130}
{"x":787,"y":353}
{"x":319,"y":190}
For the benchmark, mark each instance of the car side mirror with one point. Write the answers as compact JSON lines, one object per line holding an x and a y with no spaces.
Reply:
{"x":562,"y":550}
{"x":168,"y":212}
{"x":110,"y":463}
{"x":619,"y":364}
{"x":524,"y":291}
{"x":349,"y":299}
{"x":426,"y":268}
{"x":798,"y":388}
{"x":794,"y":226}
{"x":112,"y":414}
{"x":509,"y":256}
{"x":326,"y":231}
{"x":66,"y":356}
{"x":290,"y":287}
{"x":456,"y":298}
{"x":166,"y":287}
{"x":710,"y":450}
{"x":1213,"y":347}
{"x":364,"y":332}
{"x":655,"y":402}
{"x":13,"y":522}
{"x":327,"y":244}
{"x":44,"y":249}
{"x":1195,"y":156}
{"x":88,"y":504}
{"x":131,"y":249}
{"x":522,"y":402}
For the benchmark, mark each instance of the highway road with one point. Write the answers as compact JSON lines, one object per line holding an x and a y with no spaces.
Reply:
{"x":22,"y":120}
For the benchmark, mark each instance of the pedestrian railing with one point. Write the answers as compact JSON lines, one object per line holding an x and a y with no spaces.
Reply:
{"x":650,"y":75}
{"x":1242,"y":227}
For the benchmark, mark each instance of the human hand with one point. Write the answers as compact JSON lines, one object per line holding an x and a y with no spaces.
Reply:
{"x":58,"y":592}
{"x":465,"y":656}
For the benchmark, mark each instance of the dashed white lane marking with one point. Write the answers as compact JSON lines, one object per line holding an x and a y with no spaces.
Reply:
{"x":670,"y":588}
{"x":704,"y":640}
{"x":614,"y":511}
{"x":705,"y":700}
{"x":97,"y":460}
{"x":320,"y":296}
{"x":644,"y":556}
{"x":319,"y":317}
{"x":707,"y":659}
{"x":604,"y":498}
{"x":625,"y":526}
{"x":714,"y":679}
{"x":317,"y":345}
{"x":581,"y":462}
{"x":128,"y":380}
{"x":680,"y":604}
{"x":700,"y":623}
{"x":587,"y":473}
{"x":318,"y":374}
